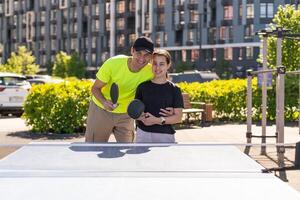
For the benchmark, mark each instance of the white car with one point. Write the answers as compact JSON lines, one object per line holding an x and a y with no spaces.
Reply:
{"x":13,"y":91}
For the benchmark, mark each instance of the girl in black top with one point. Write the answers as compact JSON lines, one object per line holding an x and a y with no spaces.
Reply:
{"x":158,"y":94}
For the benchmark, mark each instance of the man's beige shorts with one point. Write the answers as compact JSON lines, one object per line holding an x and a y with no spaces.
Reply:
{"x":101,"y":124}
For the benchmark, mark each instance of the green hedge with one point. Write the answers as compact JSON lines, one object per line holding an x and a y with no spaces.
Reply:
{"x":58,"y":108}
{"x":229,"y":98}
{"x":62,"y":108}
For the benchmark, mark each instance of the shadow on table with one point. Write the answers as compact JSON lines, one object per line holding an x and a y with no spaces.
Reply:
{"x":113,"y":151}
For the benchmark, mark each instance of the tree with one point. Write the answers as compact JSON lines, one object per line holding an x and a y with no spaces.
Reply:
{"x":182,"y":66}
{"x":223,"y":69}
{"x":21,"y":62}
{"x":76,"y":66}
{"x":60,"y":67}
{"x":287,"y":17}
{"x":68,"y":65}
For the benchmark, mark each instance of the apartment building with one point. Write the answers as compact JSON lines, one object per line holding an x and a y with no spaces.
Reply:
{"x":201,"y":31}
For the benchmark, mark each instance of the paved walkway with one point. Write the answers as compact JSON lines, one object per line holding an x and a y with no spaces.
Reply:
{"x":14,"y":131}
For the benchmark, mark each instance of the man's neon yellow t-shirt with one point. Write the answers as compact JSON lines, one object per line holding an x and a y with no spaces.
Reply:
{"x":116,"y":70}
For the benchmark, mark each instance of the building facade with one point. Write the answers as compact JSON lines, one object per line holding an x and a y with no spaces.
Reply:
{"x":217,"y":30}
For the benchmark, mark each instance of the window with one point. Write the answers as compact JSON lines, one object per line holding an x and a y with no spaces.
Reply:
{"x":107,"y":24}
{"x":43,"y":16}
{"x":158,"y":38}
{"x":121,"y":40}
{"x":191,"y":35}
{"x":194,"y":55}
{"x":16,"y":5}
{"x":1,"y":8}
{"x":266,"y":10}
{"x":193,"y":16}
{"x":131,"y":38}
{"x":53,"y":30}
{"x":160,"y":3}
{"x":146,"y":16}
{"x":161,"y":19}
{"x":74,"y":44}
{"x":228,"y":53}
{"x":241,"y":54}
{"x":96,"y":25}
{"x":29,"y":26}
{"x":241,"y":11}
{"x":120,"y":23}
{"x":249,"y":52}
{"x":227,"y":12}
{"x":223,"y":33}
{"x":120,"y":6}
{"x":181,"y":17}
{"x":250,"y":11}
{"x":53,"y":15}
{"x":132,"y":5}
{"x":249,"y":31}
{"x":53,"y":45}
{"x":8,"y":6}
{"x":107,"y":8}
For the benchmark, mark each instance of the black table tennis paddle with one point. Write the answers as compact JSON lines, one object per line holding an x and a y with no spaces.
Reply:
{"x":135,"y":109}
{"x":114,"y":94}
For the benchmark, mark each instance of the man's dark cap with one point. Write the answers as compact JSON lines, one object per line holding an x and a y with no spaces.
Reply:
{"x":143,"y":43}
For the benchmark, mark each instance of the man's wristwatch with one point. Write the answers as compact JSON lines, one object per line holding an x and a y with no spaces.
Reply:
{"x":163,"y":120}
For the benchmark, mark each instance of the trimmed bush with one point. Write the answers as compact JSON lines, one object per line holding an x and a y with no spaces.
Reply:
{"x":229,"y":98}
{"x":58,"y":108}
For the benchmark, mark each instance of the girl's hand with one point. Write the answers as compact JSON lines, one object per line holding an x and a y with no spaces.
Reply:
{"x":166,"y":112}
{"x":149,"y":119}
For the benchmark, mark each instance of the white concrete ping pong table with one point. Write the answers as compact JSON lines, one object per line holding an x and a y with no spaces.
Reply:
{"x":78,"y":172}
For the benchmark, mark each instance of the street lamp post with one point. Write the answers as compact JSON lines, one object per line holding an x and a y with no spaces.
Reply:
{"x":199,"y":37}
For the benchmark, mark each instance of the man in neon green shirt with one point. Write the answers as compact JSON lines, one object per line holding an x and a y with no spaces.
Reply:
{"x":127,"y":72}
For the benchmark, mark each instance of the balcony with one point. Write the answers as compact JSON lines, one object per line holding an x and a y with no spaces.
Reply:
{"x":250,"y":21}
{"x":178,"y":27}
{"x":192,"y":25}
{"x":43,"y":8}
{"x":221,"y":41}
{"x":212,"y":3}
{"x":53,"y":21}
{"x":96,"y":16}
{"x":226,"y":23}
{"x":180,"y":7}
{"x":212,"y":23}
{"x":73,"y":35}
{"x":226,"y":2}
{"x":159,"y":9}
{"x":192,"y":6}
{"x":159,"y":28}
{"x":189,"y":43}
{"x":54,"y":6}
{"x":54,"y":37}
{"x":73,"y":4}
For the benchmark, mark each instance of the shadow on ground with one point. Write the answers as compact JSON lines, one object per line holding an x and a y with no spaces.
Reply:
{"x":48,"y":136}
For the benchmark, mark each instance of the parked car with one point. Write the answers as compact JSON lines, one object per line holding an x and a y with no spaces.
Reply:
{"x":42,"y":79}
{"x":13,"y":91}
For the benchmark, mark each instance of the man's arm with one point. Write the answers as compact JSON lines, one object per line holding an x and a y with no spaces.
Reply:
{"x":96,"y":91}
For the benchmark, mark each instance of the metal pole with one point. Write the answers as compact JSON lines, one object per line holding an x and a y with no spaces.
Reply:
{"x":249,"y":109}
{"x":264,"y":95}
{"x":112,"y":27}
{"x":280,"y":98}
{"x":200,"y":39}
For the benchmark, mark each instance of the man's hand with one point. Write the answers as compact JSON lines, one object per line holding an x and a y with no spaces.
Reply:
{"x":167,"y":112}
{"x":108,"y":105}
